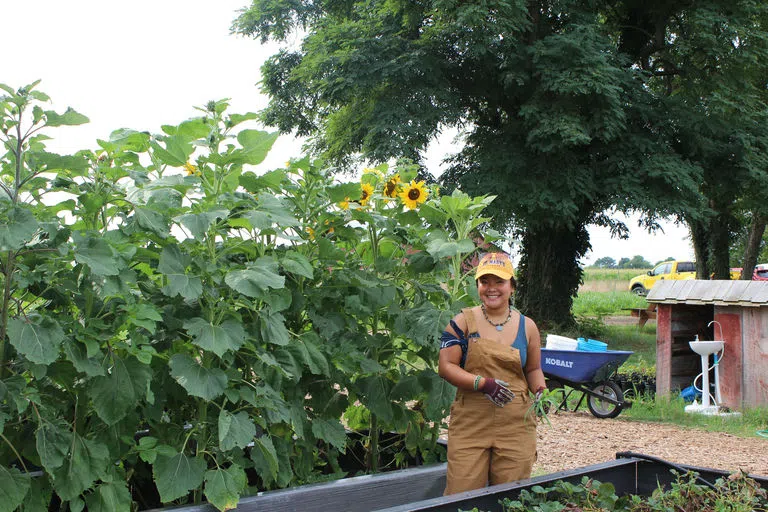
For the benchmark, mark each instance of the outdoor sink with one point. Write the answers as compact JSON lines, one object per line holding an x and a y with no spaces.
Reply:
{"x":705,"y":348}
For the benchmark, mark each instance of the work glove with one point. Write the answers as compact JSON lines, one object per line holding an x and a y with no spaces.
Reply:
{"x":496,"y":391}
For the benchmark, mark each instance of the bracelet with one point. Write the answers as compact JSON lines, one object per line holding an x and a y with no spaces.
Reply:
{"x":477,"y":382}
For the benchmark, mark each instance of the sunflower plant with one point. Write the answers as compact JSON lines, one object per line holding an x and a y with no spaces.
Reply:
{"x":178,"y":328}
{"x":460,"y":218}
{"x":398,"y":303}
{"x":415,"y":241}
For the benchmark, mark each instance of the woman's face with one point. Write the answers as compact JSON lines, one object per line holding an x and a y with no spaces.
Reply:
{"x":494,"y":291}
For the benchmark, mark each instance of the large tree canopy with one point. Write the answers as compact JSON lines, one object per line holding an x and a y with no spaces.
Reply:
{"x":708,"y":60}
{"x":569,"y":109}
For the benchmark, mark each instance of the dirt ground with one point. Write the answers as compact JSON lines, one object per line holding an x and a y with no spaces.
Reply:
{"x":578,"y":439}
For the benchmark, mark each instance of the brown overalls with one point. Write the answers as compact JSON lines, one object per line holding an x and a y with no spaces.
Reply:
{"x":488,"y":444}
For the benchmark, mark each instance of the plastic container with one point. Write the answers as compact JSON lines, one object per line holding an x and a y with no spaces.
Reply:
{"x":555,"y":342}
{"x":690,"y":394}
{"x":590,"y":345}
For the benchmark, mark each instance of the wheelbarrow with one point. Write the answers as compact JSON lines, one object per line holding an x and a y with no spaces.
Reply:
{"x":589,"y":373}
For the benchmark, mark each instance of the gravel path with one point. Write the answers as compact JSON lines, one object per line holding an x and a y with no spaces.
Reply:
{"x":578,"y":439}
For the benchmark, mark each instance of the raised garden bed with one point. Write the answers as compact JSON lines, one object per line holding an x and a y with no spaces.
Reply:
{"x":421,"y":488}
{"x":355,"y":493}
{"x":630,"y":473}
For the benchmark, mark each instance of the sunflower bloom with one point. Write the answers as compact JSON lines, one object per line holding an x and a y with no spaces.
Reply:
{"x":391,"y":186}
{"x":414,"y":194}
{"x":344,"y":205}
{"x":366,"y":192}
{"x":311,"y":232}
{"x":190,"y":168}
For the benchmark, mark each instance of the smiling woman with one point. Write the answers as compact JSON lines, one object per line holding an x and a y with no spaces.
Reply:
{"x":491,"y":352}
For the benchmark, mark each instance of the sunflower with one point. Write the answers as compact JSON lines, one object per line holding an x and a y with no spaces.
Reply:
{"x":414,"y":194}
{"x":391,"y":186}
{"x":190,"y":168}
{"x":344,"y":205}
{"x":366,"y":192}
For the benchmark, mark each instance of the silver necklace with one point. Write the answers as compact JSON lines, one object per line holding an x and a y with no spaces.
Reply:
{"x":500,"y":326}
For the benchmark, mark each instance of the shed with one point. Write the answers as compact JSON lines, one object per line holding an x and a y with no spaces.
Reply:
{"x":733,"y":311}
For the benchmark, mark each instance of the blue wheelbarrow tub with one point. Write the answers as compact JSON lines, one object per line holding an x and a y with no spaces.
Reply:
{"x":580,"y":366}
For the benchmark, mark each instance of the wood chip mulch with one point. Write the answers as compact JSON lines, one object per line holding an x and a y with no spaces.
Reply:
{"x":578,"y":439}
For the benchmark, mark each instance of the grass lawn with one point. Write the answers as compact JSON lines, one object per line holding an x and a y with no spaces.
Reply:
{"x":750,"y":423}
{"x":641,"y":341}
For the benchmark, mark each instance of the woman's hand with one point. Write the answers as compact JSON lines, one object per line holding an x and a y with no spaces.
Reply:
{"x":496,"y":391}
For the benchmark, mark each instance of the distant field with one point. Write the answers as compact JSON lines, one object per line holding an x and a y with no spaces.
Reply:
{"x":609,"y":279}
{"x":600,"y":304}
{"x":605,"y":293}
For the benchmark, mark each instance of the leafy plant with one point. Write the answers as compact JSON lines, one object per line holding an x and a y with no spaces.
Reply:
{"x":176,"y":327}
{"x":734,"y":493}
{"x":541,"y":405}
{"x":589,"y":495}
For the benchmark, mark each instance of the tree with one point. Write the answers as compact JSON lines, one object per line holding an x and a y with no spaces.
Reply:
{"x":638,"y":262}
{"x":557,"y":119}
{"x":605,"y":262}
{"x":706,"y":63}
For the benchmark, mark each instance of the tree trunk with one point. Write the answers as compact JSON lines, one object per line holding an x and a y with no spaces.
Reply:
{"x":719,"y":244}
{"x":700,"y":251}
{"x":550,"y":274}
{"x":751,"y":251}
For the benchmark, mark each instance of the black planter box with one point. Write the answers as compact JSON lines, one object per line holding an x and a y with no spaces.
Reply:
{"x":421,"y":488}
{"x":356,"y":494}
{"x":630,"y":474}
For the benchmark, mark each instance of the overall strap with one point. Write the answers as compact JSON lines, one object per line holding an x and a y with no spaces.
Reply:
{"x":521,"y":341}
{"x":471,"y":325}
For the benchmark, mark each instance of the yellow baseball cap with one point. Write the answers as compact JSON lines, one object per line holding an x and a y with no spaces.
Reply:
{"x":496,"y":263}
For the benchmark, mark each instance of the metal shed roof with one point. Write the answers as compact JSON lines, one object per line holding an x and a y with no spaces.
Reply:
{"x":720,"y":293}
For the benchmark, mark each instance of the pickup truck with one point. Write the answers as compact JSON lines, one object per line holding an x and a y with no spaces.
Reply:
{"x":678,"y":270}
{"x":667,"y":270}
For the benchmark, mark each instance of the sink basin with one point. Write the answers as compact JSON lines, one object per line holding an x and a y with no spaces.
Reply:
{"x":705,"y":348}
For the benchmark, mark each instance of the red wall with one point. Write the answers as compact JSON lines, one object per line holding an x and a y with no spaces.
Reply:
{"x":731,"y":367}
{"x":663,"y":348}
{"x":755,"y":363}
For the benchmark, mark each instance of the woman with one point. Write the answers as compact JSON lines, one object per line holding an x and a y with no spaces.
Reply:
{"x":492,"y":354}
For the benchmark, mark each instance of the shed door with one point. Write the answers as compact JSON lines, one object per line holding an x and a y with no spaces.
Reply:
{"x":755,"y":350}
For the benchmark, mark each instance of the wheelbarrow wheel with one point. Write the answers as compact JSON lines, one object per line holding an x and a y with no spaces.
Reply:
{"x":602,"y":408}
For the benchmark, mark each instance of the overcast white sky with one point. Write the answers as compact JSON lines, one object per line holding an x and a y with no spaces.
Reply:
{"x":145,"y":63}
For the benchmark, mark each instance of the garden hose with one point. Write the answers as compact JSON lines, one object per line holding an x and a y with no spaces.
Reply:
{"x":672,"y":465}
{"x":763,"y":433}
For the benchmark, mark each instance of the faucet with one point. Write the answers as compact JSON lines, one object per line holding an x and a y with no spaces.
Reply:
{"x":721,"y":329}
